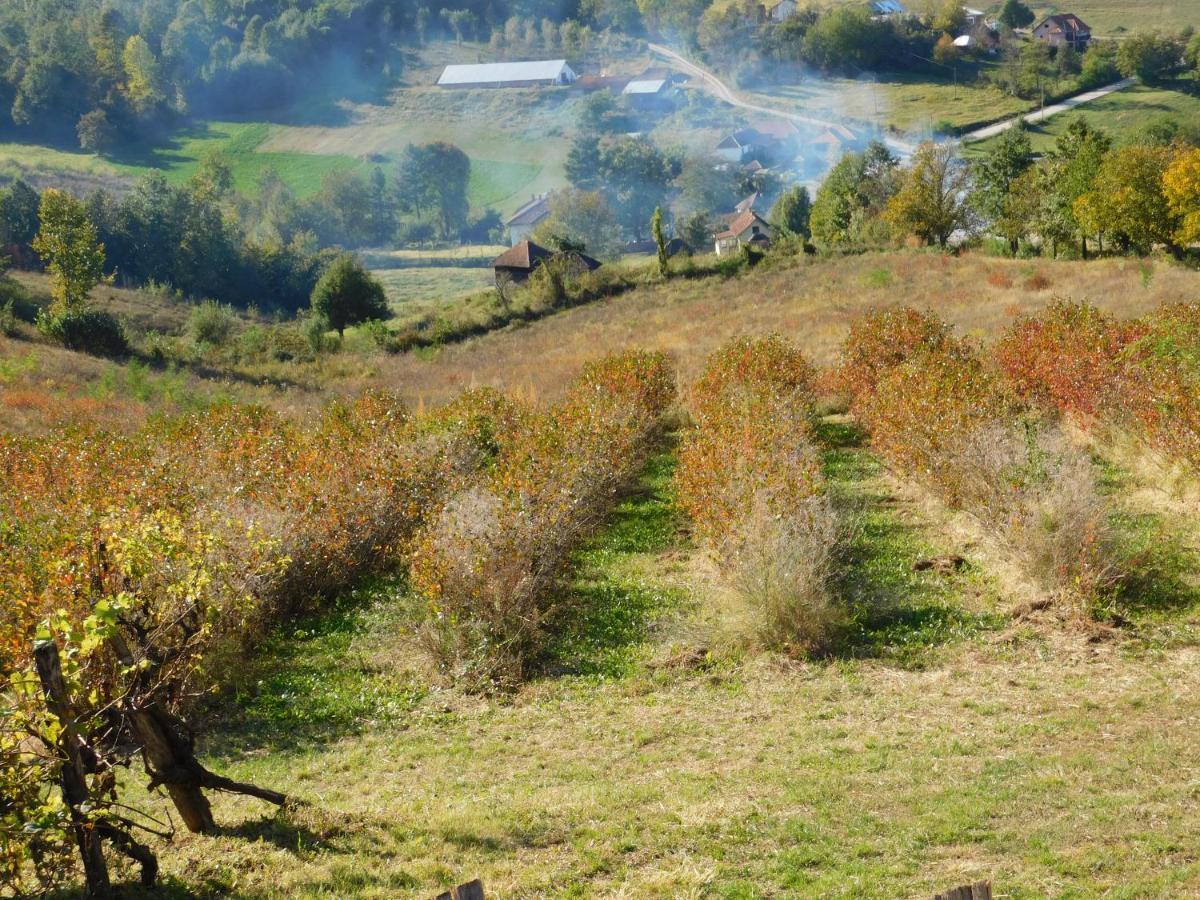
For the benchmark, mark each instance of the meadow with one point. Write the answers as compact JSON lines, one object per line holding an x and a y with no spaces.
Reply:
{"x":1123,"y":114}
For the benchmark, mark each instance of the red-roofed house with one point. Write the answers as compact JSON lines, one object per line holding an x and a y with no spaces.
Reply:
{"x":746,"y":228}
{"x":1063,"y":30}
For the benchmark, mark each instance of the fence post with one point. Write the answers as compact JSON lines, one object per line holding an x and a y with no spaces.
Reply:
{"x":472,"y":890}
{"x":980,"y":890}
{"x":74,"y":776}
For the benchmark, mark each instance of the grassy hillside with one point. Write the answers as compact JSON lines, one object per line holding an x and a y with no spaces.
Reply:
{"x":1117,"y":16}
{"x":1123,"y":114}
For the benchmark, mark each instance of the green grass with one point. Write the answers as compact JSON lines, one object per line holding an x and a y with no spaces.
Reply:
{"x":1117,"y":16}
{"x":179,"y":157}
{"x":413,"y":291}
{"x":1122,"y":114}
{"x":907,"y":101}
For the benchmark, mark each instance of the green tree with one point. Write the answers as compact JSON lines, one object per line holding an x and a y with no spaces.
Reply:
{"x":1149,"y":56}
{"x":1079,"y":151}
{"x":348,"y":294}
{"x":435,"y":177}
{"x":660,"y":240}
{"x":1099,"y":66}
{"x":18,"y":219}
{"x":791,"y":212}
{"x":1000,"y":167}
{"x":584,"y":218}
{"x":70,"y":248}
{"x":852,"y":197}
{"x":931,"y":202}
{"x":1128,"y":200}
{"x":143,"y":77}
{"x":1015,"y":14}
{"x":706,"y":185}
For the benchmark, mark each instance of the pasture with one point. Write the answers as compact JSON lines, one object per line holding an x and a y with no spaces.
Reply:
{"x":1123,"y":114}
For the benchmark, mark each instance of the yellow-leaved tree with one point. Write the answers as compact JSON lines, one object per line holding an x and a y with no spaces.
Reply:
{"x":1181,"y":184}
{"x":70,"y":247}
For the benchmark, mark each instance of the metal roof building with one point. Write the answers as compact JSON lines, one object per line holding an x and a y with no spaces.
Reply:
{"x":508,"y":74}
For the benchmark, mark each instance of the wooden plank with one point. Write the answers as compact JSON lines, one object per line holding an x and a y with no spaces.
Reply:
{"x":980,"y":890}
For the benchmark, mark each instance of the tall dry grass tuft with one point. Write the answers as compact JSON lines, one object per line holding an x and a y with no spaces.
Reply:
{"x":750,"y":478}
{"x":1037,"y":494}
{"x":493,"y":563}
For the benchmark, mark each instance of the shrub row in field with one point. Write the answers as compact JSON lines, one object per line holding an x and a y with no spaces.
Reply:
{"x":493,"y":563}
{"x":939,"y":415}
{"x":148,"y":555}
{"x":1142,"y":375}
{"x":750,"y":478}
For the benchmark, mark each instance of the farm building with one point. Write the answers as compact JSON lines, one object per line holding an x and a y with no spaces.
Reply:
{"x":747,"y":228}
{"x":648,"y":93}
{"x":1063,"y":30}
{"x":527,"y":218}
{"x":885,"y":9}
{"x":534,"y":73}
{"x":514,"y":266}
{"x":782,"y":10}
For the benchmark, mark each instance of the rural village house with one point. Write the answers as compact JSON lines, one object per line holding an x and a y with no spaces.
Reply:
{"x":1063,"y":30}
{"x":533,"y":73}
{"x":782,"y":10}
{"x":527,"y":218}
{"x":747,"y":228}
{"x":515,"y":265}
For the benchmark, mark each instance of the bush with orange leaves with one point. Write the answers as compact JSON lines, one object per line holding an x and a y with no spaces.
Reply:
{"x":880,"y":341}
{"x":750,"y":478}
{"x":1068,"y":356}
{"x":493,"y":563}
{"x":1159,"y":389}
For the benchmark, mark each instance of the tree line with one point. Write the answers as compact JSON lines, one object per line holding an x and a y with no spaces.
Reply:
{"x":1083,"y":196}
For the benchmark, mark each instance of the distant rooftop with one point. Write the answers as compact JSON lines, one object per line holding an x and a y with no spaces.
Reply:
{"x":645,"y":87}
{"x":485,"y":73}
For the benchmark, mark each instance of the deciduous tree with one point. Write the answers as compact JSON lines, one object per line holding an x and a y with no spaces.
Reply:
{"x":70,"y":248}
{"x":347,"y":294}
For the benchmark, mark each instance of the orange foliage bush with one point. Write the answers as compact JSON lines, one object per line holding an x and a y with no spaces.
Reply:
{"x":493,"y":562}
{"x":1067,"y":356}
{"x":753,"y":407}
{"x":883,"y":340}
{"x":921,"y":411}
{"x":999,"y":279}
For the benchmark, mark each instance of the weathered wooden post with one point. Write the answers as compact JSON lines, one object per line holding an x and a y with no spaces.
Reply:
{"x":980,"y":890}
{"x":73,"y":774}
{"x":472,"y":890}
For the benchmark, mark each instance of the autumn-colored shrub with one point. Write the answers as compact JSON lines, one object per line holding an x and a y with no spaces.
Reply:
{"x":152,"y":552}
{"x":999,"y":279}
{"x":1038,"y":281}
{"x":920,"y":412}
{"x":750,"y":478}
{"x":947,"y":421}
{"x":753,"y":407}
{"x":493,"y":563}
{"x":1159,"y":385}
{"x":1067,"y":356}
{"x":880,"y":341}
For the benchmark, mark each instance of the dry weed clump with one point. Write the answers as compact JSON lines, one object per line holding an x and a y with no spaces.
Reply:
{"x":750,"y":478}
{"x":493,"y":563}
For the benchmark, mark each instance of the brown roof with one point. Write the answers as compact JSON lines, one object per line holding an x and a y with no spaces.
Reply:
{"x":528,"y":255}
{"x":780,"y":129}
{"x":741,"y":223}
{"x":524,"y":255}
{"x":1068,"y":23}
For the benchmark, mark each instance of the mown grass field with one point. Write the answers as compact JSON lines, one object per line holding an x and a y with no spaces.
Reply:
{"x":1123,"y":114}
{"x":1114,"y":17}
{"x":417,"y":291}
{"x":943,"y":740}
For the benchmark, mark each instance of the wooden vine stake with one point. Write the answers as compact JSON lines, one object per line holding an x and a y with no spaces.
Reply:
{"x":73,"y":774}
